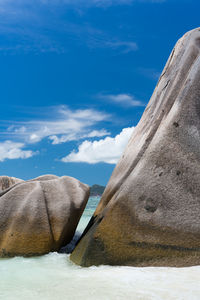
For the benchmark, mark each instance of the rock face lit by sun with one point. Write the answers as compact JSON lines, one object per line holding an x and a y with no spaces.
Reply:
{"x":149,"y":212}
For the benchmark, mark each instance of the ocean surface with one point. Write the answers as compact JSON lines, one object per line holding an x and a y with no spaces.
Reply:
{"x":55,"y":277}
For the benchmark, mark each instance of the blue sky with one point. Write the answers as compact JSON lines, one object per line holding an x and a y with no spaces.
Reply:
{"x":75,"y":78}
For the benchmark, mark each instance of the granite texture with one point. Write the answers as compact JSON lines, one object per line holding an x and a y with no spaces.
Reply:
{"x":149,"y":212}
{"x":40,"y":215}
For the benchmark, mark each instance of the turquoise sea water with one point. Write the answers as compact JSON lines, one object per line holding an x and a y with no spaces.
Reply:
{"x":89,"y":210}
{"x":54,"y":277}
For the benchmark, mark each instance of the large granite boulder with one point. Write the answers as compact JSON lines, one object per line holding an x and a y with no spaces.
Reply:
{"x":40,"y":215}
{"x":6,"y":182}
{"x":149,"y":214}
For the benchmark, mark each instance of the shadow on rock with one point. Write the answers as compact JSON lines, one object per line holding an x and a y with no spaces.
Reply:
{"x":70,"y":247}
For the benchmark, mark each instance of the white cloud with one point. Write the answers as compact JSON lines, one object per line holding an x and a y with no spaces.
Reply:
{"x":71,"y":137}
{"x":12,"y":150}
{"x":62,"y":125}
{"x":122,"y":99}
{"x":107,"y":150}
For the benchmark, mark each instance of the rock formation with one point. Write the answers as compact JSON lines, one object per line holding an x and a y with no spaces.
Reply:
{"x":40,"y":215}
{"x":149,"y":214}
{"x":6,"y":182}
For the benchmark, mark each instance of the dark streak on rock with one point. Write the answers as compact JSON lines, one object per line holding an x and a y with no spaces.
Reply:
{"x":145,"y":245}
{"x":166,"y":85}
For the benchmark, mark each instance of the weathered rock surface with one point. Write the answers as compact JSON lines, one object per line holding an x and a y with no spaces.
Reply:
{"x":6,"y":182}
{"x":40,"y":215}
{"x":149,"y":213}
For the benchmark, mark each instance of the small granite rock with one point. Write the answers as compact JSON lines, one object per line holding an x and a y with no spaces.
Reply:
{"x":40,"y":215}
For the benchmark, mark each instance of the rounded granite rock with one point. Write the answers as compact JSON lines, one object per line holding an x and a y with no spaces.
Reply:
{"x":149,"y":212}
{"x":40,"y":215}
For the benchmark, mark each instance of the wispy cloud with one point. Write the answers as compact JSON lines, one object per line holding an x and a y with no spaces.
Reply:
{"x":13,"y":150}
{"x":39,"y":26}
{"x":71,"y":137}
{"x":149,"y":73}
{"x":17,"y":8}
{"x":81,"y":3}
{"x":124,"y":46}
{"x":97,"y":3}
{"x":106,"y":150}
{"x":127,"y":100}
{"x":42,"y":38}
{"x":62,"y":125}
